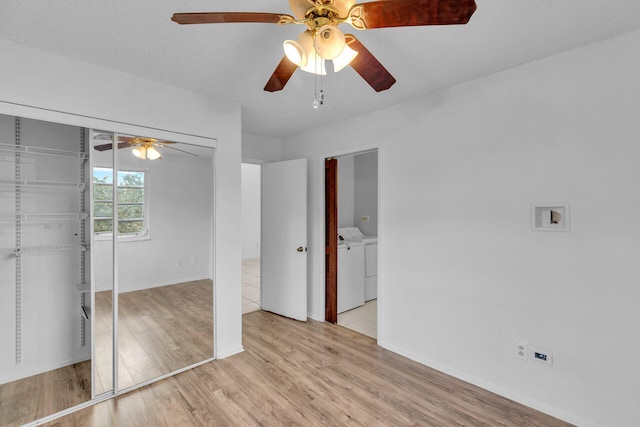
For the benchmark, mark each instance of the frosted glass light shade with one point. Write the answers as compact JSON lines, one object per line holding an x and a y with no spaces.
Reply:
{"x":315,"y":65}
{"x":153,"y":154}
{"x":344,"y":58}
{"x":143,"y":152}
{"x":299,"y":52}
{"x":140,"y":152}
{"x":329,"y":41}
{"x":294,"y":52}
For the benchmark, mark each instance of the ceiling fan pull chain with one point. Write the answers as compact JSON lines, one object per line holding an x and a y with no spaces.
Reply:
{"x":316,"y":103}
{"x":321,"y":92}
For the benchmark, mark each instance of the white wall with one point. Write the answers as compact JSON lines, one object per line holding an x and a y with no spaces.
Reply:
{"x":345,"y":191}
{"x":358,"y":191}
{"x":180,"y":204}
{"x":78,"y":93}
{"x":260,"y":148}
{"x":250,"y":211}
{"x":365,"y":197}
{"x":461,"y":274}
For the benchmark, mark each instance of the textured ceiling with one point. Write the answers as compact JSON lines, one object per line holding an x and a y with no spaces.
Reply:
{"x":234,"y":61}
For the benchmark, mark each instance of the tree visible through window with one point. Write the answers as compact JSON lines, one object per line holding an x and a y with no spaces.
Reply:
{"x":131,"y":202}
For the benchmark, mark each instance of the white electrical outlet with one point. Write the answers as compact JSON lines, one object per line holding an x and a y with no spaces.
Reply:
{"x":179,"y":263}
{"x":521,"y":350}
{"x":193,"y":261}
{"x":541,"y":356}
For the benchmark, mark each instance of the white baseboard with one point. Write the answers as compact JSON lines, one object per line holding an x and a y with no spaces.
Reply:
{"x":509,"y":394}
{"x":42,"y":369}
{"x":314,"y":316}
{"x":229,"y":352}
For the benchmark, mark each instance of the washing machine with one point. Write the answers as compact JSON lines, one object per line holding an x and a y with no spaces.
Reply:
{"x":354,"y":235}
{"x":350,"y":275}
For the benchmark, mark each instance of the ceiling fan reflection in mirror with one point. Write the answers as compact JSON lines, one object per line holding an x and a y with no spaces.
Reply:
{"x":323,"y":40}
{"x":142,"y":148}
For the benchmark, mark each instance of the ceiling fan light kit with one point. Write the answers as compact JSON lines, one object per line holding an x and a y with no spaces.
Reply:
{"x":144,"y":152}
{"x":141,"y":147}
{"x":329,"y":42}
{"x":344,"y":58}
{"x":323,"y":40}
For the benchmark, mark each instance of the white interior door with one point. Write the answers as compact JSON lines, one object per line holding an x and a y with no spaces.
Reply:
{"x":283,"y":259}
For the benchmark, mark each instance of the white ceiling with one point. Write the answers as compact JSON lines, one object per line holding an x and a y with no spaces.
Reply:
{"x":234,"y":61}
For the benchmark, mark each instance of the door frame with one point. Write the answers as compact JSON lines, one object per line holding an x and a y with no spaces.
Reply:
{"x":331,"y":246}
{"x":321,"y":247}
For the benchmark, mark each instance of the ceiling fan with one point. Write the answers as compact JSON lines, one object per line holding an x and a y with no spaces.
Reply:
{"x":143,"y":148}
{"x":322,"y":39}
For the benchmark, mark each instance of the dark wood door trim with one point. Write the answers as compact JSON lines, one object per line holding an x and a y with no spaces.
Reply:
{"x":331,"y":239}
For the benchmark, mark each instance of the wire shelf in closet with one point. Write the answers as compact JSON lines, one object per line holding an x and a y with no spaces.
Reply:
{"x":26,"y":183}
{"x":26,"y":149}
{"x":35,"y":216}
{"x":46,"y":248}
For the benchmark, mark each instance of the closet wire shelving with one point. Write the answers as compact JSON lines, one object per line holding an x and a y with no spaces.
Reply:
{"x":19,"y":184}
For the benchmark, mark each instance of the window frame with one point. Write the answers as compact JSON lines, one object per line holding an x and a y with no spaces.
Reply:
{"x":145,"y":235}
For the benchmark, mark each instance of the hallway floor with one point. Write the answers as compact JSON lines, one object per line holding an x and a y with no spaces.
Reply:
{"x":363,"y":319}
{"x":250,"y":285}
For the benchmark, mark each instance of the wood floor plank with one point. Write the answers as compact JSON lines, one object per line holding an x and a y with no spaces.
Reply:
{"x":44,"y":394}
{"x":310,"y":374}
{"x":162,"y":329}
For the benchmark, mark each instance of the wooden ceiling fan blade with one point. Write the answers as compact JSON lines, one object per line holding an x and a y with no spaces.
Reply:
{"x":228,"y":17}
{"x":369,"y":67}
{"x":177,"y":149}
{"x":407,"y":13}
{"x":281,"y":75}
{"x":128,"y":139}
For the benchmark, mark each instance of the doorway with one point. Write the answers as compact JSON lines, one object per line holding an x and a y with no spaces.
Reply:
{"x":250,"y":237}
{"x":352,"y":220}
{"x":275,"y":277}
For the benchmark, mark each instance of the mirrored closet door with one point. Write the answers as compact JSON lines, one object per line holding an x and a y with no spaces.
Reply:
{"x":164,"y":208}
{"x":102,"y":255}
{"x":105,"y":264}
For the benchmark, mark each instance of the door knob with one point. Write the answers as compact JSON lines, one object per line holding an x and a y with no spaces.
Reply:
{"x":301,"y":249}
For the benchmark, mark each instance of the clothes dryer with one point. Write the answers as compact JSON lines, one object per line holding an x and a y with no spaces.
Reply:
{"x":350,"y":275}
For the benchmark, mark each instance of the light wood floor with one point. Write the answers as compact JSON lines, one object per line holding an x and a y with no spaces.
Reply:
{"x":44,"y":394}
{"x":162,"y":329}
{"x":308,"y":374}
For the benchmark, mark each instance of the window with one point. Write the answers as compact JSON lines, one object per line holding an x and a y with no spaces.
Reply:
{"x":132,"y":202}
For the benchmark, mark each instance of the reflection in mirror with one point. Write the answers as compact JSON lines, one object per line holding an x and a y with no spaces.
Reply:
{"x":45,"y":307}
{"x":102,"y":184}
{"x":164,"y":252}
